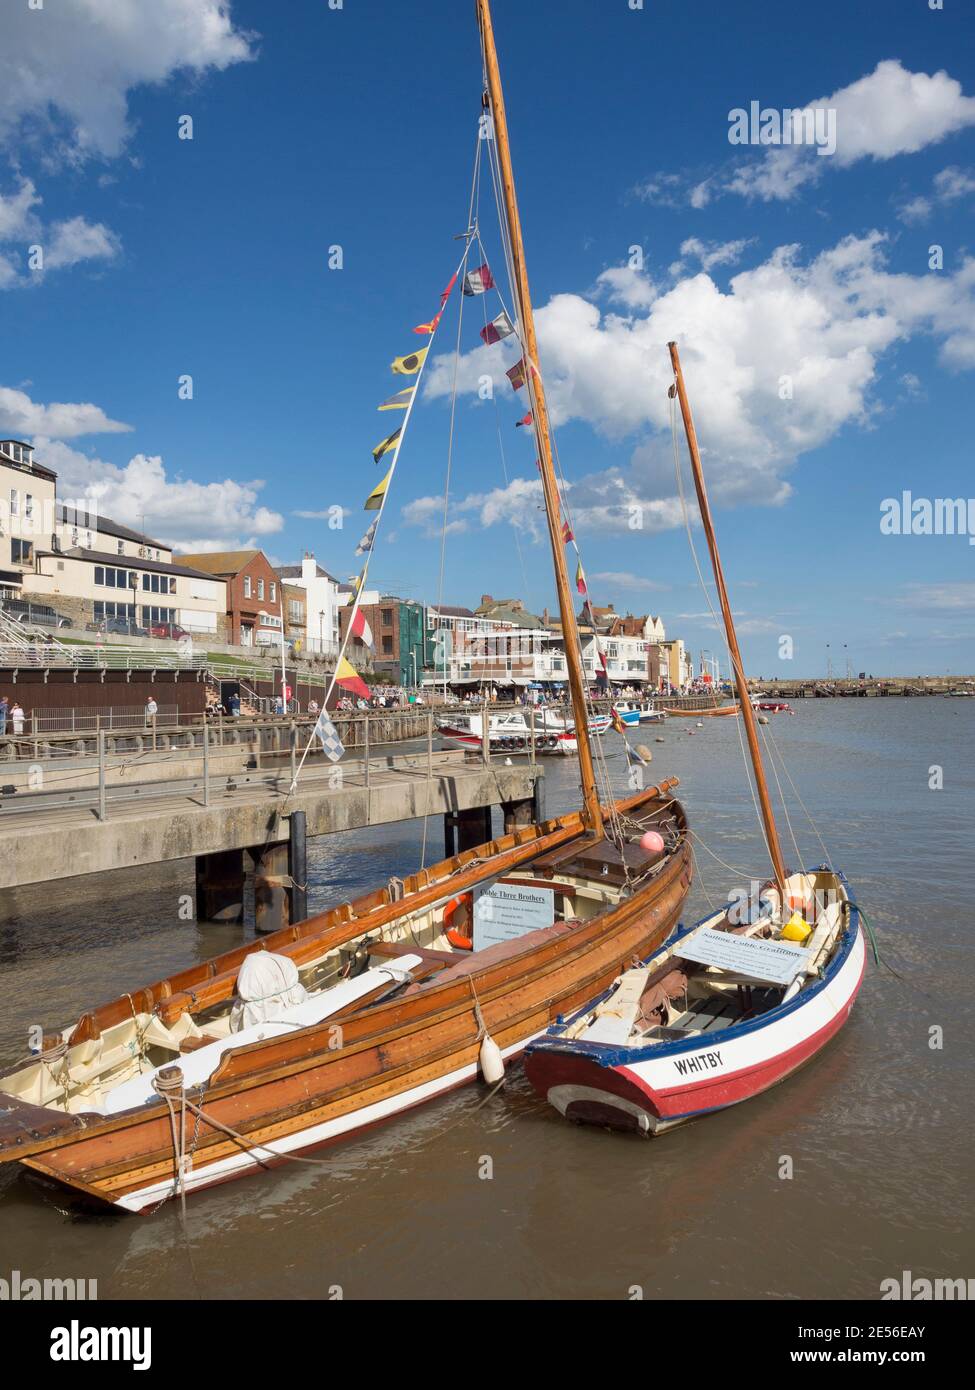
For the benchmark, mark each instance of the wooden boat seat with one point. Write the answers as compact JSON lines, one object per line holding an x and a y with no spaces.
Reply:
{"x":390,"y":950}
{"x":467,"y":962}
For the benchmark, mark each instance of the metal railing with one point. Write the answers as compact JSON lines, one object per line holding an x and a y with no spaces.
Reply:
{"x":74,"y":719}
{"x":209,"y":781}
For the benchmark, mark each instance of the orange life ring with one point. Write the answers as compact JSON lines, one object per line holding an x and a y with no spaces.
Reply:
{"x":454,"y":936}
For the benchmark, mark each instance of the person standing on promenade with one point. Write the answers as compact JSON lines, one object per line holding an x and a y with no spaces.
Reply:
{"x":4,"y":707}
{"x":17,"y":718}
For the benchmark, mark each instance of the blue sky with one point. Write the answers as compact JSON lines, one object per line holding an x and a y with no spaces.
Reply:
{"x":315,"y":127}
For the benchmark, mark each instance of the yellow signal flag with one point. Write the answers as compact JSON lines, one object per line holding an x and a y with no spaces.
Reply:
{"x":384,"y":445}
{"x":400,"y":401}
{"x":375,"y":499}
{"x":410,"y":364}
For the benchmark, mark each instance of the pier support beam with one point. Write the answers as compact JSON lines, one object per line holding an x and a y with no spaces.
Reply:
{"x":272,"y":905}
{"x":298,"y":867}
{"x":472,"y":827}
{"x":517,"y":814}
{"x":220,"y":886}
{"x":538,"y":800}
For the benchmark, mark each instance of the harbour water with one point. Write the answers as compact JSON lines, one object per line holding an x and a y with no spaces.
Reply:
{"x":504,"y":1199}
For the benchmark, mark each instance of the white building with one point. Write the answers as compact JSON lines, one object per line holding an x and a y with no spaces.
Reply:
{"x":322,"y":602}
{"x":88,"y":568}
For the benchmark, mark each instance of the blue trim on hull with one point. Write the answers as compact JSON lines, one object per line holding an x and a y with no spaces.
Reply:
{"x":606,"y":1056}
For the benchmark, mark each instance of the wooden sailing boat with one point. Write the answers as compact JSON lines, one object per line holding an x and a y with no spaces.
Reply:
{"x":734,"y":1004}
{"x":354,"y":1015}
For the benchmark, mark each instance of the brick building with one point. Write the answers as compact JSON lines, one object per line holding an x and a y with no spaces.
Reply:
{"x":254,"y":599}
{"x":399,"y":631}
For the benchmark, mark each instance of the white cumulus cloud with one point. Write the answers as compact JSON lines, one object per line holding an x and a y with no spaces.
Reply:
{"x":789,"y":354}
{"x":176,"y":510}
{"x":20,"y":417}
{"x":66,"y":70}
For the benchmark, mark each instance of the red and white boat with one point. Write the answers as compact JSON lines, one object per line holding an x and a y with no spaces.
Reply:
{"x":514,"y":733}
{"x":773,"y":706}
{"x":719,"y":1014}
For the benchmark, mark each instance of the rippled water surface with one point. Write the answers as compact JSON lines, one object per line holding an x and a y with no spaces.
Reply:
{"x":879,"y":1128}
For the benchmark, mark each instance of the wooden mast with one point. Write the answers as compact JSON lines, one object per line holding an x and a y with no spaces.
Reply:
{"x":592,"y":814}
{"x":747,"y":712}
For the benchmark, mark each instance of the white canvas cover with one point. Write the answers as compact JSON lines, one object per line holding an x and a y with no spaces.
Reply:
{"x":266,"y":985}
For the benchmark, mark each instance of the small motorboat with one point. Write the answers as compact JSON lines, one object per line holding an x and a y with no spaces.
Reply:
{"x":719,"y":1014}
{"x":774,"y":706}
{"x":515,"y":732}
{"x":631,"y":713}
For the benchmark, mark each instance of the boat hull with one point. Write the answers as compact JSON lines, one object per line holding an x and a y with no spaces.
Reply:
{"x":709,"y":712}
{"x":297,"y":1091}
{"x":650,"y":1090}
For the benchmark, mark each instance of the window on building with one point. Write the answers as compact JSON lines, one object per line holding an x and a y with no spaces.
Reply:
{"x":296,"y":611}
{"x":387,"y":646}
{"x":120,"y":546}
{"x":22,"y":552}
{"x":387,"y":617}
{"x":151,"y":616}
{"x":109,"y":578}
{"x":28,"y":505}
{"x":14,"y":502}
{"x":274,"y":592}
{"x":114,"y":610}
{"x":247,"y":586}
{"x":260,"y":588}
{"x":159,"y":583}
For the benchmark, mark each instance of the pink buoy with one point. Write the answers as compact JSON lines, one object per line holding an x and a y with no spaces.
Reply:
{"x":652,"y":842}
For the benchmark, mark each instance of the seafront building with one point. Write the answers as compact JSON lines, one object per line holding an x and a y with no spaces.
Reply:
{"x":322,"y":598}
{"x":92,"y":571}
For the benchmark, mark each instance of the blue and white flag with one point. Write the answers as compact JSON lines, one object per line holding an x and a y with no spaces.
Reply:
{"x":332,"y":745}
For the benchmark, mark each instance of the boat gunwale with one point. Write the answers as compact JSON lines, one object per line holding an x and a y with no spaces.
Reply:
{"x":347,"y":924}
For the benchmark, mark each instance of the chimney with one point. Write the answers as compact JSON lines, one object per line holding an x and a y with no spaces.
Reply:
{"x":485,"y":599}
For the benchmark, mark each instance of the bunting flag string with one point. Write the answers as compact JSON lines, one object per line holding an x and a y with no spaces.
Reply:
{"x":345,"y":675}
{"x":567,"y":535}
{"x":401,"y":401}
{"x":384,"y":446}
{"x":478,"y":281}
{"x":528,"y":419}
{"x":498,"y":329}
{"x":410,"y":363}
{"x":580,"y":579}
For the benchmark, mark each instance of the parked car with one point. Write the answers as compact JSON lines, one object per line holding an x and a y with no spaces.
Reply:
{"x":171,"y":630}
{"x":127,"y":627}
{"x":40,"y":614}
